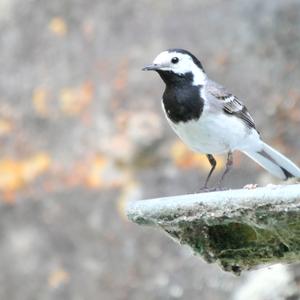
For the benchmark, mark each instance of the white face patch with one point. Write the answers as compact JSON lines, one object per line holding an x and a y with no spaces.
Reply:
{"x":184,"y":65}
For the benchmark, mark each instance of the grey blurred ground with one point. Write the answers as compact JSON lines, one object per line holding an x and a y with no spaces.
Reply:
{"x":67,"y":238}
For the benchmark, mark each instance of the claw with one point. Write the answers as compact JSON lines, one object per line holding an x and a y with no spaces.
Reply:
{"x":211,"y":189}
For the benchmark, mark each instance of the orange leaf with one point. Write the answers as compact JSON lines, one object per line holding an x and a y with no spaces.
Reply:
{"x":58,"y":26}
{"x":5,"y":127}
{"x":35,"y":166}
{"x":15,"y":174}
{"x":10,"y":175}
{"x":186,"y":159}
{"x":39,"y":99}
{"x":103,"y":173}
{"x":73,"y":101}
{"x":58,"y":277}
{"x":94,"y":175}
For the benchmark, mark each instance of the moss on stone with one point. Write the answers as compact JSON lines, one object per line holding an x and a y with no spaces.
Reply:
{"x":238,"y":234}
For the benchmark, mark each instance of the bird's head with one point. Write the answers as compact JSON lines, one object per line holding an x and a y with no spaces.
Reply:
{"x":178,"y":65}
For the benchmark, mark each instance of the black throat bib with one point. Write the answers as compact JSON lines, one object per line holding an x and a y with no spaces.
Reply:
{"x":181,"y":99}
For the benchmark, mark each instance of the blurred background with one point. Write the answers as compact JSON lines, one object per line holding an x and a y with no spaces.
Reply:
{"x":82,"y":134}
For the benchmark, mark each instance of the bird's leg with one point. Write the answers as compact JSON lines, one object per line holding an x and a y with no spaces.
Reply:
{"x":213,"y":164}
{"x":229,"y":164}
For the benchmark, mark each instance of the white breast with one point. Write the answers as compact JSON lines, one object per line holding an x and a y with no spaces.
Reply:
{"x":216,"y":133}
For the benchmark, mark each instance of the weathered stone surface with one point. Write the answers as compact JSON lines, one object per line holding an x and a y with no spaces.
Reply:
{"x":238,"y":229}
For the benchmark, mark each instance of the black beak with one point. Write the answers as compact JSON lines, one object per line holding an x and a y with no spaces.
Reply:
{"x":152,"y":67}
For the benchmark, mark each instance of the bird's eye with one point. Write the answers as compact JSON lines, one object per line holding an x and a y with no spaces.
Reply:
{"x":174,"y":60}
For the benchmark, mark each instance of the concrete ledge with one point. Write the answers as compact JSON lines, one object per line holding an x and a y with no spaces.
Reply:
{"x":238,"y":229}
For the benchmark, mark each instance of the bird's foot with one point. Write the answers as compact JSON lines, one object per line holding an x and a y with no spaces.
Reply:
{"x":206,"y":189}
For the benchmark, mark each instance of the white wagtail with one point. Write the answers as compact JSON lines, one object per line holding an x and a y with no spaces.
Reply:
{"x":209,"y":119}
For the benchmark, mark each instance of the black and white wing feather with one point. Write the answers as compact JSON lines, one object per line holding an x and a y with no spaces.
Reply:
{"x":230,"y":104}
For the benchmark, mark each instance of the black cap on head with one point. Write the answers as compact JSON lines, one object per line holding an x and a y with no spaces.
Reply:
{"x":194,"y":58}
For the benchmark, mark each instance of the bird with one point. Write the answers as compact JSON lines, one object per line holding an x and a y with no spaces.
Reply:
{"x":211,"y":120}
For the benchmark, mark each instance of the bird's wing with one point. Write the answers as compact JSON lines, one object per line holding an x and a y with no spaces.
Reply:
{"x":229,"y":103}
